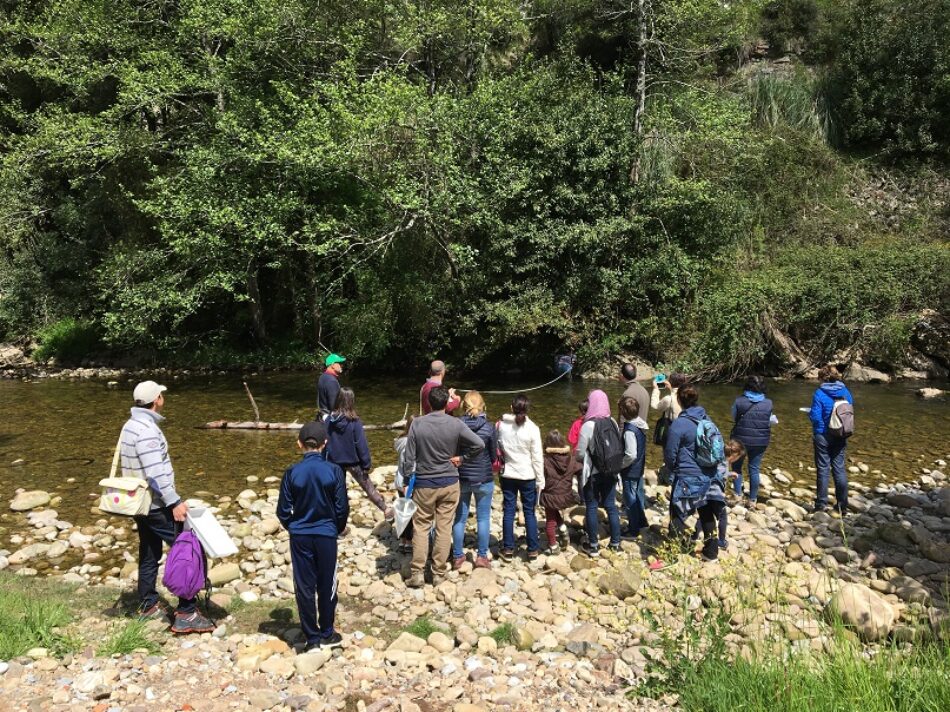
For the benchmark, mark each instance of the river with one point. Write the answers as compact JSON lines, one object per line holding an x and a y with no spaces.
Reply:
{"x":59,"y":435}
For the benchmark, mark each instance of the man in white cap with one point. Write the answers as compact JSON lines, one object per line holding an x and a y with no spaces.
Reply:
{"x":144,"y":453}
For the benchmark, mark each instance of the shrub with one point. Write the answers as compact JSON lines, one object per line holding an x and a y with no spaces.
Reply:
{"x":69,"y":340}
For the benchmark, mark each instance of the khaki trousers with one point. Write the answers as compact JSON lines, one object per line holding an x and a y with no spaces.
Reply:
{"x":433,"y":505}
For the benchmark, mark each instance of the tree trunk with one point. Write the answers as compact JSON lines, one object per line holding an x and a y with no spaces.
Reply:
{"x":641,"y":90}
{"x":257,"y":310}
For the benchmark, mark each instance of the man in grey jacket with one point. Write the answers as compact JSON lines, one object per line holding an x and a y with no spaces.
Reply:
{"x":144,"y":453}
{"x":434,"y":449}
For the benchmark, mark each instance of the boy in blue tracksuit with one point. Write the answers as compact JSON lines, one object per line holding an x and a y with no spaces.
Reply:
{"x":830,"y":451}
{"x":313,"y":506}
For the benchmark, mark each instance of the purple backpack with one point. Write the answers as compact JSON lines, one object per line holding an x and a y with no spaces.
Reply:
{"x":185,"y":566}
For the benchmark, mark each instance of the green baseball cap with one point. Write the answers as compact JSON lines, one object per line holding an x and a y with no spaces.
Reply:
{"x":332,"y":359}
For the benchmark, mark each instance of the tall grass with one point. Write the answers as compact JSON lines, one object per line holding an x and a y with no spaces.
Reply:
{"x":841,"y":680}
{"x":790,"y":100}
{"x":424,"y":626}
{"x":31,"y":622}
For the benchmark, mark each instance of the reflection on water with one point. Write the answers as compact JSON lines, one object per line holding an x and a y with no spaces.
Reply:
{"x":64,"y":430}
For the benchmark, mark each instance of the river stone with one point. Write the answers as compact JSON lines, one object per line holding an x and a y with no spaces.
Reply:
{"x":582,"y":562}
{"x":921,"y":567}
{"x":25,"y":501}
{"x":309,"y":663}
{"x":223,"y":573}
{"x":28,"y":552}
{"x":407,"y":642}
{"x":622,"y":583}
{"x":441,"y":642}
{"x":903,"y":500}
{"x":279,"y":666}
{"x":57,"y":549}
{"x":868,"y":613}
{"x":263,"y":699}
{"x":894,"y":533}
{"x":790,"y":509}
{"x":938,"y":551}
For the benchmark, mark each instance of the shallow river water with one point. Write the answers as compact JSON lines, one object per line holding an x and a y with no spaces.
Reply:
{"x":52,"y":431}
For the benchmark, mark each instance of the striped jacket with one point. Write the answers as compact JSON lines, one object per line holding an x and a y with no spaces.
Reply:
{"x":144,"y":454}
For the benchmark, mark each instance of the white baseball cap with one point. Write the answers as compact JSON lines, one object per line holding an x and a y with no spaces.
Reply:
{"x":147,"y":392}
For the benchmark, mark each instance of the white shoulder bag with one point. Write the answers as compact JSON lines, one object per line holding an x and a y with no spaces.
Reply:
{"x":126,"y":496}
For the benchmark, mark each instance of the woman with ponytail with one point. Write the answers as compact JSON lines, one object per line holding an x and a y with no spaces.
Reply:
{"x":519,"y":440}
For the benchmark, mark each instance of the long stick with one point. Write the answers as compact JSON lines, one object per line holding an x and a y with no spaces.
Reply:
{"x":257,"y":413}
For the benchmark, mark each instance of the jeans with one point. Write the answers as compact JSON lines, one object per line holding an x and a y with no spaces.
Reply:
{"x":755,"y":455}
{"x":601,"y":492}
{"x":156,"y":528}
{"x":635,"y":502}
{"x":483,"y":493}
{"x":510,"y":490}
{"x":830,"y":455}
{"x":313,"y":560}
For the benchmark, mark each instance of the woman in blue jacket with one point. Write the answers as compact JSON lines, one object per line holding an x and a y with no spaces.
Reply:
{"x":830,"y":451}
{"x":476,"y":478}
{"x":347,"y":446}
{"x":695,"y":488}
{"x":752,"y":426}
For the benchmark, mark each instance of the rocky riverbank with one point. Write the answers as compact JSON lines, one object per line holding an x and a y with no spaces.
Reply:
{"x":565,"y":631}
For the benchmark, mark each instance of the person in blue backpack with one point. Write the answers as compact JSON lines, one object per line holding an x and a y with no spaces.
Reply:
{"x":634,"y":458}
{"x":830,"y":451}
{"x":752,"y":419}
{"x":693,"y":452}
{"x":313,"y":507}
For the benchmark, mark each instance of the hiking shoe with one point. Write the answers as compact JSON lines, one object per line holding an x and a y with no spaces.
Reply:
{"x":192,"y":622}
{"x":614,"y":547}
{"x":416,"y":581}
{"x":482,"y":562}
{"x":592,"y":551}
{"x":458,"y":562}
{"x":334,"y":641}
{"x":723,"y":543}
{"x":507,"y":554}
{"x":533,"y":555}
{"x":552,"y":550}
{"x":156,"y":612}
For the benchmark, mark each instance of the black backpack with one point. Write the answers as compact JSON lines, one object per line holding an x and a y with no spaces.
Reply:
{"x":606,"y":447}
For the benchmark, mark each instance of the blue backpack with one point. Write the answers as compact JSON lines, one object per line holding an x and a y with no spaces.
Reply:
{"x":185,"y":566}
{"x":710,"y":447}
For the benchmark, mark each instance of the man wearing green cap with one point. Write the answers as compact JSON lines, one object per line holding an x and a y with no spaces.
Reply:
{"x":328,"y":387}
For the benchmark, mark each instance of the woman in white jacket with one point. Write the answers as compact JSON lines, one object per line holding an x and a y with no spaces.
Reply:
{"x":519,"y":440}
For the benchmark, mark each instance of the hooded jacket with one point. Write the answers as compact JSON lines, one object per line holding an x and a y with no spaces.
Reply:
{"x":478,"y":469}
{"x":559,"y":470}
{"x":679,"y":454}
{"x":346,"y":442}
{"x":824,"y":401}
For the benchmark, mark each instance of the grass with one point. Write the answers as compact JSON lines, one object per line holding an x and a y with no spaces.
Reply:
{"x":128,"y":638}
{"x":423,"y":627}
{"x":30,"y":621}
{"x":504,"y":634}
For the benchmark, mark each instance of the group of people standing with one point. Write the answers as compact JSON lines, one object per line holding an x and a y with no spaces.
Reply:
{"x":448,"y":461}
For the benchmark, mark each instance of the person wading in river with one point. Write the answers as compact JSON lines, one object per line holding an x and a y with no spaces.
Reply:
{"x":328,"y":385}
{"x":434,"y":450}
{"x":436,"y":376}
{"x":144,"y":453}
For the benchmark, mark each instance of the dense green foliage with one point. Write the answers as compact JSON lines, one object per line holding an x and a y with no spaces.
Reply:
{"x":477,"y":179}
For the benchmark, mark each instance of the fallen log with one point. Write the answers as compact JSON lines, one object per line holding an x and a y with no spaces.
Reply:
{"x":259,"y":425}
{"x":252,"y":425}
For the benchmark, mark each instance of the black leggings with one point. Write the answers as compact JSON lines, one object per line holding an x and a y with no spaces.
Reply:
{"x":709,"y":514}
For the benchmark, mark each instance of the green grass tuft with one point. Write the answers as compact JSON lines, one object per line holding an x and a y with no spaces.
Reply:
{"x":30,"y":622}
{"x":128,"y":638}
{"x":423,"y":627}
{"x":504,"y":634}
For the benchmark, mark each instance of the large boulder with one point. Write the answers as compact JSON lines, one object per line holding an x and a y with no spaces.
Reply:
{"x":860,"y":608}
{"x":25,"y":501}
